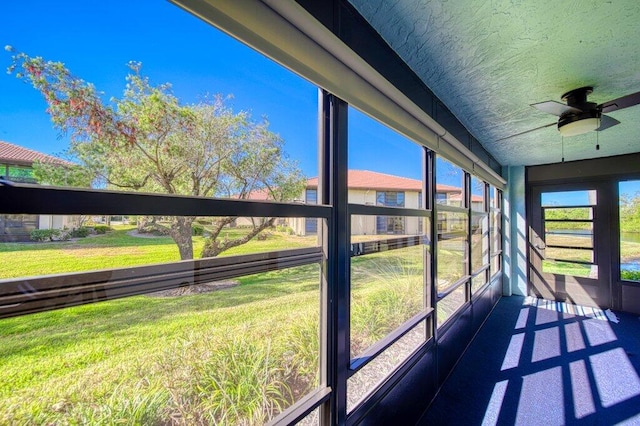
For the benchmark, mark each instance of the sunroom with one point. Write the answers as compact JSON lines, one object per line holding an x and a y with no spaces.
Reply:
{"x":515,"y":301}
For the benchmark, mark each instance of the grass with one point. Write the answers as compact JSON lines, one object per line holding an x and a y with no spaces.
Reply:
{"x":629,"y":252}
{"x":630,"y":275}
{"x":565,"y":268}
{"x":164,"y":358}
{"x":451,"y":257}
{"x":235,"y":356}
{"x":387,"y":289}
{"x":118,"y":249}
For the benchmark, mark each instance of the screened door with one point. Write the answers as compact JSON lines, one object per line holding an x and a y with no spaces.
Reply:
{"x":569,"y":245}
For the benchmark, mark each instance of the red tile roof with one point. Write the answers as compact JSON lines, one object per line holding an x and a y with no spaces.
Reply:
{"x":14,"y":154}
{"x":474,"y":198}
{"x":365,"y":179}
{"x":259,"y":194}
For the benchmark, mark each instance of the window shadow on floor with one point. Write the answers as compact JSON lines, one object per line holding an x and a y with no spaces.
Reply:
{"x":548,"y":363}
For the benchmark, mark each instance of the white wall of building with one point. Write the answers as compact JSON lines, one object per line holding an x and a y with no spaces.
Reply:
{"x":56,"y":222}
{"x":366,"y":225}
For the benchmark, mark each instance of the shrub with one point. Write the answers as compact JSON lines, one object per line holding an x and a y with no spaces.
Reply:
{"x":158,"y":231}
{"x":101,"y":229}
{"x":61,"y":235}
{"x":630,"y":275}
{"x":241,"y":382}
{"x":41,"y":235}
{"x":197,"y":229}
{"x":304,"y":342}
{"x":284,"y":229}
{"x":393,"y":294}
{"x":81,"y":232}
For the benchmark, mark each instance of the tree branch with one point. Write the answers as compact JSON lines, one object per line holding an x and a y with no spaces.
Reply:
{"x":213,"y":248}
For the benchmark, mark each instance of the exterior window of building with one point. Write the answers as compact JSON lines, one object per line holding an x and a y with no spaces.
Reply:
{"x":17,"y":227}
{"x":390,"y":199}
{"x":311,"y":224}
{"x":390,"y":224}
{"x":22,"y":174}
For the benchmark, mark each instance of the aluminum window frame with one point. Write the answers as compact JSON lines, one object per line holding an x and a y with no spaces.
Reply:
{"x":483,"y":214}
{"x":493,"y":251}
{"x":426,"y":315}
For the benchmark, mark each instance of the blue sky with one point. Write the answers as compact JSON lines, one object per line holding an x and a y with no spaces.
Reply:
{"x":95,"y":40}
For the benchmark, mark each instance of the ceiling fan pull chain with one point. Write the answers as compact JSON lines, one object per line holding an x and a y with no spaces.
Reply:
{"x":562,"y":137}
{"x":597,"y":141}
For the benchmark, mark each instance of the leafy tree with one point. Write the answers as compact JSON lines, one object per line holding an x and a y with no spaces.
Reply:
{"x":630,"y":212}
{"x":148,"y":141}
{"x":568,"y":213}
{"x":62,"y":174}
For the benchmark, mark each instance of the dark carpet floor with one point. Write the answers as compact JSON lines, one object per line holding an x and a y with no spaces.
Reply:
{"x":536,"y":363}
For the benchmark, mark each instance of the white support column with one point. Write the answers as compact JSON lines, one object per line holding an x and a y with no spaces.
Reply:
{"x":515,"y":233}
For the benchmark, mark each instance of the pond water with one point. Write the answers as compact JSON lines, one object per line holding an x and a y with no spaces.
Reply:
{"x":633,"y":266}
{"x":630,"y":237}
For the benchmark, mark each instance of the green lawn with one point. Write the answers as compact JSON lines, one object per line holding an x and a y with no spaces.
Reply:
{"x":89,"y":364}
{"x":629,"y":252}
{"x":195,"y":359}
{"x":118,"y":249}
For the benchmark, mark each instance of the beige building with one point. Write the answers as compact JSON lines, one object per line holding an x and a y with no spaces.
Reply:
{"x":378,"y":189}
{"x":16,"y":165}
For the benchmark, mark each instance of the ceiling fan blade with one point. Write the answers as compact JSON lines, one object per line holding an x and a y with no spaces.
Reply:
{"x":606,"y":122}
{"x":555,"y":108}
{"x":526,"y":131}
{"x":623,"y":102}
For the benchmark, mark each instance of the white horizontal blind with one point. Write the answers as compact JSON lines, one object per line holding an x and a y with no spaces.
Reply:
{"x":286,"y":33}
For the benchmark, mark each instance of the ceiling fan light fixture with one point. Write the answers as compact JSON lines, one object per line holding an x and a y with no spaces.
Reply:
{"x":577,"y":124}
{"x":575,"y":128}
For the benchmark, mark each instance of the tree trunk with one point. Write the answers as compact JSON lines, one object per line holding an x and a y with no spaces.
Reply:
{"x":181,"y":234}
{"x":213,"y":246}
{"x":145,"y":221}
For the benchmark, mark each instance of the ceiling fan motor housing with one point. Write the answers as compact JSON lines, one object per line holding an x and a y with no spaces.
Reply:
{"x":587,"y":113}
{"x":577,"y":98}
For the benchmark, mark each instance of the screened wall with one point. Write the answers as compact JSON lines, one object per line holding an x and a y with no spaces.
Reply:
{"x":208,"y":307}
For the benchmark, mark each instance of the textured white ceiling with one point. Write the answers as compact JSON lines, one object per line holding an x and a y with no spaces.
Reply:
{"x":489,"y":60}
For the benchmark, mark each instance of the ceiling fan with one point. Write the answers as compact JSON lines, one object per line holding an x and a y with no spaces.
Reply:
{"x":579,"y":116}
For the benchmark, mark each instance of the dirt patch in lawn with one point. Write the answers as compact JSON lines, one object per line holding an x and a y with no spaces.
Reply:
{"x":137,"y":234}
{"x":196,"y":289}
{"x":84,"y":251}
